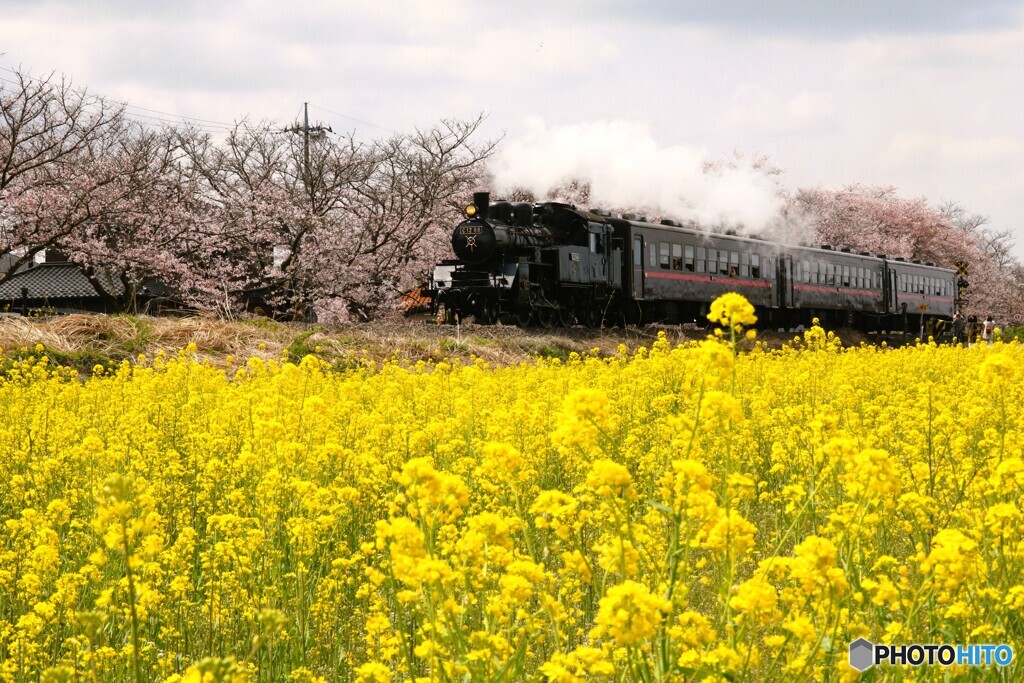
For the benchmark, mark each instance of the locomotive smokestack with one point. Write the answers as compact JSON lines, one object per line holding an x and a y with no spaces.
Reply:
{"x":482,"y":200}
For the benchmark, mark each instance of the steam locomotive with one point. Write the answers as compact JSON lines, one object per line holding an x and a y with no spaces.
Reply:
{"x":554,"y":264}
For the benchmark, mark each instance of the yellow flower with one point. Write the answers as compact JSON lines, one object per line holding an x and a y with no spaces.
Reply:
{"x":732,"y":309}
{"x":630,"y":613}
{"x":756,"y":600}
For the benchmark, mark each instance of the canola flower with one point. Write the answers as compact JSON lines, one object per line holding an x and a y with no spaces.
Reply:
{"x":670,"y":514}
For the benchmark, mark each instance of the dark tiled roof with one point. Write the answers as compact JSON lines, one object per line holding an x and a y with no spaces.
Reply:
{"x":55,"y":281}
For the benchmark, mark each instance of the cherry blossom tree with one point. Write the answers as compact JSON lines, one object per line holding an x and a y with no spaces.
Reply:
{"x":55,"y":177}
{"x":359,"y":225}
{"x":399,"y":224}
{"x":151,"y":230}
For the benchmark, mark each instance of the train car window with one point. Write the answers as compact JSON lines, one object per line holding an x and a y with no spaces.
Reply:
{"x":677,"y":257}
{"x":807,"y":271}
{"x":652,"y":255}
{"x":744,"y":270}
{"x":723,"y":262}
{"x":846,"y":276}
{"x":638,"y":251}
{"x":689,"y":258}
{"x":734,"y":263}
{"x":755,"y":265}
{"x":858,"y":277}
{"x":663,"y":252}
{"x":593,"y":243}
{"x":798,"y":274}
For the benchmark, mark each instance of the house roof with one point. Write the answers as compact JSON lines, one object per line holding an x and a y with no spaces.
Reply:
{"x":56,"y":281}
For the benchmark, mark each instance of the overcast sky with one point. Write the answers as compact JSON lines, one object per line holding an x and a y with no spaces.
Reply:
{"x":926,"y":95}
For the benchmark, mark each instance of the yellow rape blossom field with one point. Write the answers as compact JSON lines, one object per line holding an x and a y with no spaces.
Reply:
{"x":664,"y":514}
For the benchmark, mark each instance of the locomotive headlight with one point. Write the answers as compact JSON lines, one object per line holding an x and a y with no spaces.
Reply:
{"x":471,"y":210}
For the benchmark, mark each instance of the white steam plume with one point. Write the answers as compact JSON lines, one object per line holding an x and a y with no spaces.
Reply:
{"x":627,"y":169}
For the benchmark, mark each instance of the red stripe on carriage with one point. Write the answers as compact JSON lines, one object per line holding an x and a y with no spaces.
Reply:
{"x":706,"y":278}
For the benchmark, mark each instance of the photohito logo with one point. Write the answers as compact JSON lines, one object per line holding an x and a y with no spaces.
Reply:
{"x":864,"y":654}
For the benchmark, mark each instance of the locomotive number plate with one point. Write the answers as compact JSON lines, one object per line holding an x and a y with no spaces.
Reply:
{"x":471,"y":230}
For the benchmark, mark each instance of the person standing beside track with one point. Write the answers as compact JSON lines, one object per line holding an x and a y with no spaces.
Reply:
{"x":988,"y":330}
{"x":958,"y":327}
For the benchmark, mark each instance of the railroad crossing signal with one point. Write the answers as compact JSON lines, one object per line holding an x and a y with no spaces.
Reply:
{"x":961,"y":280}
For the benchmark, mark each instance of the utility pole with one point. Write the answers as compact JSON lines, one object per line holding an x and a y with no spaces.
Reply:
{"x":306,"y":130}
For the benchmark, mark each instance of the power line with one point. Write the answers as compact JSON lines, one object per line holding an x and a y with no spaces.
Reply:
{"x":203,"y":124}
{"x":350,"y":118}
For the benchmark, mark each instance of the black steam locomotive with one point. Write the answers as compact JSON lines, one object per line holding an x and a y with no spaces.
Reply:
{"x":553,"y":264}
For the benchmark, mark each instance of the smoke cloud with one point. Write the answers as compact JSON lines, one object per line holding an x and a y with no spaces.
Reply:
{"x":627,"y":169}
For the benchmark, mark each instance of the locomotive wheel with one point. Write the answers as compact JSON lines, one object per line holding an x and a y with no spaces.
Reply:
{"x":565,"y":316}
{"x":546,"y":317}
{"x":593,"y":313}
{"x":488,"y":313}
{"x":524,"y":317}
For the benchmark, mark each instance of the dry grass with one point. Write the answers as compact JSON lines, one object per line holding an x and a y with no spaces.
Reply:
{"x":118,"y":337}
{"x":84,"y":340}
